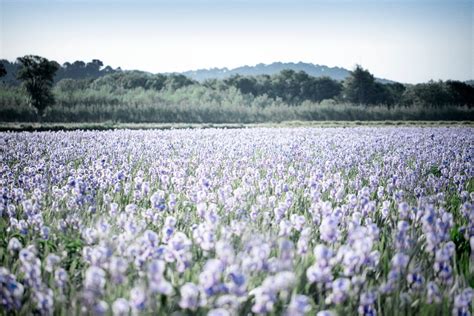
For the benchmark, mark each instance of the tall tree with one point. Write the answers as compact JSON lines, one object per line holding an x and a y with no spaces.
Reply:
{"x":360,"y":86}
{"x":37,"y":75}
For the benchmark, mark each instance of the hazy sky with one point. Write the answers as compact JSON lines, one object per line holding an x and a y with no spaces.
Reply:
{"x":404,"y":40}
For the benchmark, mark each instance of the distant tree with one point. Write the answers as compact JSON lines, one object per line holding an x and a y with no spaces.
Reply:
{"x":359,"y":87}
{"x":97,"y":63}
{"x":432,"y":93}
{"x":462,"y":93}
{"x":362,"y":88}
{"x":381,"y":94}
{"x":3,"y":71}
{"x":264,"y":85}
{"x":108,"y":69}
{"x":288,"y":85}
{"x":439,"y":93}
{"x":93,"y":68}
{"x":295,"y":87}
{"x":80,"y":70}
{"x":78,"y":64}
{"x":324,"y":88}
{"x":156,"y":82}
{"x":37,"y":75}
{"x":134,"y":79}
{"x":11,"y":69}
{"x":246,"y":85}
{"x":176,"y":81}
{"x":394,"y":93}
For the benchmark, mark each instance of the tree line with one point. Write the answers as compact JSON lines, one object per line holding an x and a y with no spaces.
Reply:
{"x":75,"y":70}
{"x":45,"y":84}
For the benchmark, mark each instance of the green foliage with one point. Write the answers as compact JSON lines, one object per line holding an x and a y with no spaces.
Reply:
{"x":290,"y":86}
{"x":37,"y":75}
{"x":140,"y":97}
{"x":439,"y":94}
{"x":434,"y":170}
{"x":130,"y":80}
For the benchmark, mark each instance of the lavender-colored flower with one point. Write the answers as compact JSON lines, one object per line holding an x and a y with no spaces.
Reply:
{"x":156,"y":279}
{"x":463,"y":302}
{"x":44,"y":301}
{"x":340,"y":291}
{"x":319,"y":274}
{"x":117,"y":268}
{"x":31,"y":268}
{"x":399,"y":261}
{"x":11,"y":291}
{"x":326,"y":313}
{"x":121,"y":307}
{"x":218,"y":312}
{"x":210,"y":277}
{"x":329,"y":229}
{"x":367,"y":304}
{"x":264,"y":300}
{"x":190,"y":297}
{"x":94,"y":279}
{"x":415,"y":281}
{"x":51,"y":261}
{"x":158,"y":200}
{"x":138,"y":298}
{"x":14,"y":245}
{"x":60,"y":277}
{"x":299,"y":305}
{"x":433,"y":294}
{"x":100,"y":308}
{"x":322,"y":255}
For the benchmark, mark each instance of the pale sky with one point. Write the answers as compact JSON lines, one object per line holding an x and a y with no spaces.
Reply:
{"x":405,"y":40}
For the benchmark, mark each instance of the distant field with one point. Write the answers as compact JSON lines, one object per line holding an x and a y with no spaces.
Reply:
{"x":7,"y":126}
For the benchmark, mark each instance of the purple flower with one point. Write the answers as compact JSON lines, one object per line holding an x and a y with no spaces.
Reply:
{"x":326,"y":313}
{"x":156,"y":279}
{"x":14,"y":245}
{"x":399,"y":261}
{"x":117,"y":268}
{"x":11,"y":291}
{"x":218,"y":312}
{"x":299,"y":306}
{"x":433,"y":294}
{"x":94,"y":279}
{"x":329,"y":229}
{"x":463,"y":302}
{"x":340,"y":291}
{"x":190,"y":297}
{"x":121,"y":307}
{"x":44,"y":301}
{"x":51,"y":261}
{"x":367,"y":304}
{"x":138,"y":298}
{"x":100,"y":308}
{"x":60,"y":277}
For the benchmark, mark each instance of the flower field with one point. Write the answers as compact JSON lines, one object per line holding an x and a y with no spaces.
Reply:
{"x":278,"y":221}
